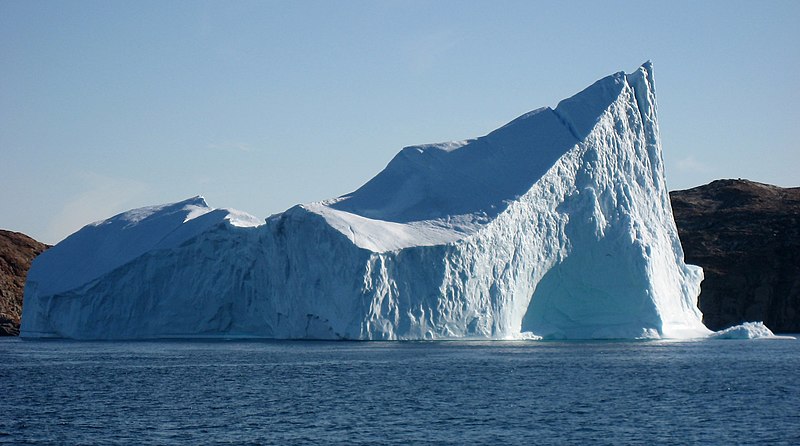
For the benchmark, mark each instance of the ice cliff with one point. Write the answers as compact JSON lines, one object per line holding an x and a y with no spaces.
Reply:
{"x":556,"y":225}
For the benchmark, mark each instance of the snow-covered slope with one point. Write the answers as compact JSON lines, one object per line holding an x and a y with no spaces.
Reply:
{"x":556,"y":225}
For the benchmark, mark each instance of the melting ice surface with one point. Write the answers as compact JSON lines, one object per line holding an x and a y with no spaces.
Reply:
{"x":556,"y":225}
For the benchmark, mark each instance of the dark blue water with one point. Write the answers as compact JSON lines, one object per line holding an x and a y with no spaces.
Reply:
{"x":711,"y":392}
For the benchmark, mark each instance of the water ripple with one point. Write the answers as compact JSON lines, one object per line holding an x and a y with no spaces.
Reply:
{"x":730,"y":392}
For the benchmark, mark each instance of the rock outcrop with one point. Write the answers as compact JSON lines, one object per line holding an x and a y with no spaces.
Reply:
{"x":746,"y":236}
{"x":17,"y":251}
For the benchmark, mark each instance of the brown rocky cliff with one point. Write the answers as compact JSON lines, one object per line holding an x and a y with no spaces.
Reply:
{"x":746,"y":236}
{"x":17,"y":251}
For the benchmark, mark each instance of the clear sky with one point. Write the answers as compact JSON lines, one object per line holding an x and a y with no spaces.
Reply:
{"x":111,"y":105}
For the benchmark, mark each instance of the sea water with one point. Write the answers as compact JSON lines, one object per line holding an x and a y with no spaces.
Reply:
{"x":296,"y":392}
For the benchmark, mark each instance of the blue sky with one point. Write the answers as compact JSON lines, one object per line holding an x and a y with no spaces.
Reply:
{"x":110,"y":105}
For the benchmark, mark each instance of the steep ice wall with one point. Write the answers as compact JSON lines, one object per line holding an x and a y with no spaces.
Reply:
{"x":557,"y":225}
{"x":590,"y":251}
{"x":624,"y":271}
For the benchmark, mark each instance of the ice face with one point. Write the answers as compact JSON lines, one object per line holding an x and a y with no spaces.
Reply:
{"x":558,"y":224}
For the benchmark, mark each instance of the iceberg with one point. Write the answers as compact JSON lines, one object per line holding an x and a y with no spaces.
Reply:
{"x":557,"y":225}
{"x":748,"y":330}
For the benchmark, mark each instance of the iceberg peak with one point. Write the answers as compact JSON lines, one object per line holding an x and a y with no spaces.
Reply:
{"x":197,"y":200}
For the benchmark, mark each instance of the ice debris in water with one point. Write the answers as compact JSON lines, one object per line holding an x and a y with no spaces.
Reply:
{"x":747,"y":330}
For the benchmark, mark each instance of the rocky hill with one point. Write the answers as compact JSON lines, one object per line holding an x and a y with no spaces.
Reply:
{"x":17,"y":251}
{"x":746,"y":236}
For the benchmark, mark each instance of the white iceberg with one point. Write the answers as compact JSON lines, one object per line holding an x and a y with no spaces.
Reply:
{"x":557,"y":225}
{"x":748,"y":330}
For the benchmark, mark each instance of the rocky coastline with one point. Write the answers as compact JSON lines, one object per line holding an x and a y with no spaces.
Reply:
{"x":746,"y":236}
{"x":17,"y":251}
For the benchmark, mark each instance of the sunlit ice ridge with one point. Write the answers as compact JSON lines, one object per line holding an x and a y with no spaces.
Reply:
{"x":557,"y":225}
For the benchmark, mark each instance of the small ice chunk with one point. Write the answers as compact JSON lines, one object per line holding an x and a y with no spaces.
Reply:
{"x":748,"y":330}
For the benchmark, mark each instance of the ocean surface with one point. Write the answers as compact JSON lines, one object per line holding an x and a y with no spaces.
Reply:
{"x":293,"y":392}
